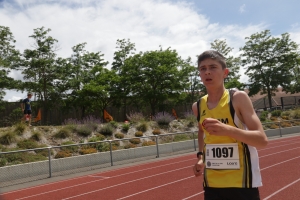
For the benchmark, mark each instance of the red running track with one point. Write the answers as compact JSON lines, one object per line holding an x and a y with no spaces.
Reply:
{"x":173,"y":179}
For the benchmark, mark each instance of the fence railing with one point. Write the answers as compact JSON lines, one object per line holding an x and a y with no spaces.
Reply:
{"x":73,"y":158}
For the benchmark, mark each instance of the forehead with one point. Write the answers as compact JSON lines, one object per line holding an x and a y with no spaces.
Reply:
{"x":209,"y":62}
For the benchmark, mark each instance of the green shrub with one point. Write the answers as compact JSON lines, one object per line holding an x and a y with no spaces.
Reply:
{"x":27,"y":144}
{"x":276,"y":113}
{"x":3,"y":162}
{"x":20,"y":128}
{"x":107,"y":130}
{"x":63,"y":154}
{"x":96,"y":138}
{"x":125,"y":127}
{"x":113,"y":124}
{"x":115,"y":143}
{"x":85,"y":130}
{"x":138,"y":134}
{"x":135,"y":140}
{"x":119,"y":135}
{"x":142,"y":126}
{"x":36,"y":135}
{"x":296,"y":114}
{"x":103,"y":146}
{"x":71,"y":149}
{"x":156,"y":132}
{"x":62,"y":133}
{"x":7,"y":138}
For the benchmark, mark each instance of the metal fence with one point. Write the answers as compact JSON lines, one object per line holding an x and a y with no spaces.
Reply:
{"x":69,"y":159}
{"x":73,"y":158}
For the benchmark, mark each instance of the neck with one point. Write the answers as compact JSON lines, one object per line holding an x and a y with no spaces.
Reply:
{"x":215,"y":95}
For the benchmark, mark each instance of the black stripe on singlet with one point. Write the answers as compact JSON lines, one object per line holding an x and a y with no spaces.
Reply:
{"x":232,"y":111}
{"x":248,"y":168}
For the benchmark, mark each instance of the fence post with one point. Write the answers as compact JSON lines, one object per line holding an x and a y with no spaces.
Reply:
{"x":111,"y":158}
{"x":194,"y":141}
{"x":50,"y":168}
{"x":157,"y":150}
{"x":280,"y":128}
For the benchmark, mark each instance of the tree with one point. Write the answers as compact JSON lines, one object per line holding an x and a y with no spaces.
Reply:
{"x":233,"y":64}
{"x":81,"y":69}
{"x":39,"y":68}
{"x":125,"y":49}
{"x":269,"y":62}
{"x":9,"y":56}
{"x":157,"y":76}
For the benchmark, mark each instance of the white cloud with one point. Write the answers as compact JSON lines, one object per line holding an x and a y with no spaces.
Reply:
{"x":147,"y":23}
{"x":242,"y":8}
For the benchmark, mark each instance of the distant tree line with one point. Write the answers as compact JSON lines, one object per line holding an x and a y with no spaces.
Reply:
{"x":145,"y":79}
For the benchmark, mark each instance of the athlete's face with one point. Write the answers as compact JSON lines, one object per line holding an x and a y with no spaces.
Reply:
{"x":211,"y":72}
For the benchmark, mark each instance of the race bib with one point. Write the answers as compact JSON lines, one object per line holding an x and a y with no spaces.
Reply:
{"x":222,"y":156}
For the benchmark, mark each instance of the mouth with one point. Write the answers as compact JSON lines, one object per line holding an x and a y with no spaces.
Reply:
{"x":208,"y":79}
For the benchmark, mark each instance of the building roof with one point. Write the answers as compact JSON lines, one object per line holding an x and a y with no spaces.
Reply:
{"x":281,"y":99}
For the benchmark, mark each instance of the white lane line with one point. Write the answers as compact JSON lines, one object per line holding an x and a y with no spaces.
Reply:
{"x":126,"y":183}
{"x":279,"y":152}
{"x":115,"y":170}
{"x":146,"y":169}
{"x":280,"y":163}
{"x":268,"y":197}
{"x":279,"y":146}
{"x":156,"y":187}
{"x":193,"y":195}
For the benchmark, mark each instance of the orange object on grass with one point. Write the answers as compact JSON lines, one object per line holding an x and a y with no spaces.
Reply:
{"x":107,"y":116}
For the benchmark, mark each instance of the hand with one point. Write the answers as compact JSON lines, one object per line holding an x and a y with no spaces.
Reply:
{"x":215,"y":127}
{"x":198,"y":168}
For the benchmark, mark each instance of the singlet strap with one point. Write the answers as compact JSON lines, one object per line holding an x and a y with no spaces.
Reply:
{"x":198,"y":109}
{"x":232,"y":111}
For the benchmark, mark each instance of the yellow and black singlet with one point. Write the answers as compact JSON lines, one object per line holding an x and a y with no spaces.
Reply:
{"x":224,"y":172}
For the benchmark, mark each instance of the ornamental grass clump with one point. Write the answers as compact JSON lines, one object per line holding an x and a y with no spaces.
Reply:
{"x":20,"y":128}
{"x":107,"y":130}
{"x":85,"y":130}
{"x":36,"y":135}
{"x":119,"y":135}
{"x":156,"y":132}
{"x":135,"y":140}
{"x":190,"y":119}
{"x":163,"y":118}
{"x":7,"y":138}
{"x":148,"y":143}
{"x":142,"y":126}
{"x":135,"y":117}
{"x":62,"y":133}
{"x":138,"y":134}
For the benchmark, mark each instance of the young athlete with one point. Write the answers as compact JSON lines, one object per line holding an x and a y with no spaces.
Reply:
{"x":26,"y":108}
{"x":229,"y":133}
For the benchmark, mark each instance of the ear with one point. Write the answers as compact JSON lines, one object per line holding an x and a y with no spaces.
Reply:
{"x":226,"y":72}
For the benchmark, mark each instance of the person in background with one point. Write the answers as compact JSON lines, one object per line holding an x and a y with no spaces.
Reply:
{"x":228,"y":135}
{"x":26,"y":108}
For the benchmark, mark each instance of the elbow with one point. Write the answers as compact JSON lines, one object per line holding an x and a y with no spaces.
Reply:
{"x":263,"y":143}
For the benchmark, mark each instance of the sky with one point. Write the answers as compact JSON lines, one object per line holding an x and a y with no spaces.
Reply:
{"x":188,"y":26}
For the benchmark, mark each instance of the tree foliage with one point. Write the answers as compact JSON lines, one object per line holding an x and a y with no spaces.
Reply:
{"x":269,"y":62}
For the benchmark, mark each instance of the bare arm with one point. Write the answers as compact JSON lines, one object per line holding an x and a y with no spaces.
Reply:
{"x":254,"y":136}
{"x":199,"y":166}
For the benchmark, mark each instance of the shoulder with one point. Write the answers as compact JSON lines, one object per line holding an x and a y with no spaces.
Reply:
{"x":239,"y":95}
